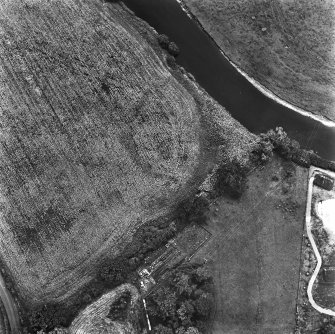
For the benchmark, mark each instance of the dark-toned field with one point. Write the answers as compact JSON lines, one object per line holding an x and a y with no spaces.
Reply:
{"x":288,"y":46}
{"x":98,"y":135}
{"x":255,"y":251}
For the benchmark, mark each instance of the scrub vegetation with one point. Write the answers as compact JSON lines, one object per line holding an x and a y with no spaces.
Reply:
{"x":184,"y":303}
{"x":285,"y":45}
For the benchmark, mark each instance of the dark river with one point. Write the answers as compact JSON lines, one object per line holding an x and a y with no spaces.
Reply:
{"x":200,"y":56}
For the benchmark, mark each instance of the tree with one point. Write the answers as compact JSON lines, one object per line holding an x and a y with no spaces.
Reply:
{"x":202,"y":275}
{"x":204,"y":304}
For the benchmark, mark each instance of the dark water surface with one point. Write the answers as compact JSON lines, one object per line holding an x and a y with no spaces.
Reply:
{"x":200,"y":56}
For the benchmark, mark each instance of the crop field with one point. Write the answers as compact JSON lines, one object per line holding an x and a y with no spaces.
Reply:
{"x":255,"y":251}
{"x":98,"y":135}
{"x":288,"y":46}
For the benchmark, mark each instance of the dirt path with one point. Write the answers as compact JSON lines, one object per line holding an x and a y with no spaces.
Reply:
{"x":313,"y":173}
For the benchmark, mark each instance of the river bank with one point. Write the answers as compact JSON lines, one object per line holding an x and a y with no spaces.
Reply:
{"x":266,"y":91}
{"x":200,"y":56}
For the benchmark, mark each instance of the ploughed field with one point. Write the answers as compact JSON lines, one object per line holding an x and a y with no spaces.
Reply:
{"x":286,"y":45}
{"x":98,"y":135}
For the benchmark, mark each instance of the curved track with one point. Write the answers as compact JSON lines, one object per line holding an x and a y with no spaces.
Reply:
{"x":313,"y":173}
{"x":10,"y":307}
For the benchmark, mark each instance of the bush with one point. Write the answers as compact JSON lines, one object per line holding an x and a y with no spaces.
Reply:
{"x":170,"y":47}
{"x":163,"y":41}
{"x":119,"y":309}
{"x":263,"y":150}
{"x":171,"y":61}
{"x":318,"y":161}
{"x":282,"y":144}
{"x":173,"y":49}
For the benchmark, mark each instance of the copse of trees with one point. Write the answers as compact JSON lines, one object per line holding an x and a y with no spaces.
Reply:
{"x":289,"y":149}
{"x":184,"y":303}
{"x":46,"y":318}
{"x":192,"y":212}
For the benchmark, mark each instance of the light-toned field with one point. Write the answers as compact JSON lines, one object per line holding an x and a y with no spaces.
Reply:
{"x":255,"y":252}
{"x":97,"y":136}
{"x":288,"y":46}
{"x":93,"y":319}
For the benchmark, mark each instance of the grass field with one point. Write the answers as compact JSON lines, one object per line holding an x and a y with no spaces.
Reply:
{"x":98,"y":135}
{"x":255,"y":252}
{"x":285,"y":45}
